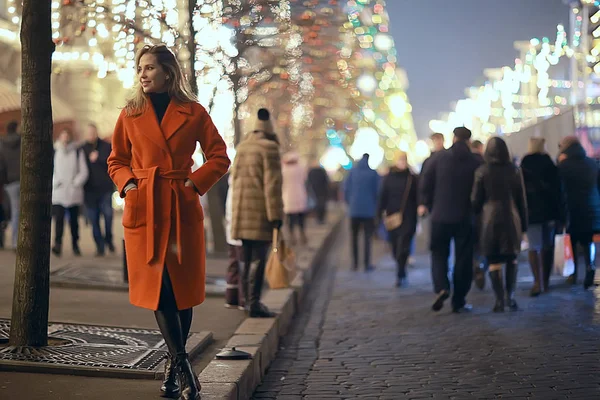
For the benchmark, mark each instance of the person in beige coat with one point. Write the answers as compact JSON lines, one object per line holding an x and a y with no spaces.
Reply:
{"x":257,"y":205}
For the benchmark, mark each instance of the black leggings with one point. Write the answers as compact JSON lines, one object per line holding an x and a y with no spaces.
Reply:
{"x":254,"y":250}
{"x":169,"y":317}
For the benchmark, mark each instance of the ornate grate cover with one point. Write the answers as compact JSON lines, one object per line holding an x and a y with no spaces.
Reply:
{"x":107,"y":351}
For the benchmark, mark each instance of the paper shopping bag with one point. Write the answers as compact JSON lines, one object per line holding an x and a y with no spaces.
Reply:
{"x":281,"y":266}
{"x":563,"y":255}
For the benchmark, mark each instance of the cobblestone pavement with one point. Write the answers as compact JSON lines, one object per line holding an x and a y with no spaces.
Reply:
{"x":360,"y":338}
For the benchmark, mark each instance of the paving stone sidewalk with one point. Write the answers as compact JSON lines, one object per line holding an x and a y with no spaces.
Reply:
{"x":361,"y":338}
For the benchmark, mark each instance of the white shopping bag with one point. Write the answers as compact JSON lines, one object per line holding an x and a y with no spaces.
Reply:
{"x":563,"y":255}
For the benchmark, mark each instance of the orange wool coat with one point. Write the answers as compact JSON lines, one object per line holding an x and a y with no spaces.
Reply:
{"x":163,"y":220}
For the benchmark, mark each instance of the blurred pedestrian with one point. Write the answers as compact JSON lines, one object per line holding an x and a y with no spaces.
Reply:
{"x":257,"y":205}
{"x":99,"y":190}
{"x":10,"y":173}
{"x":234,"y":295}
{"x":479,"y":262}
{"x":478,"y":149}
{"x":499,"y":195}
{"x":70,"y":176}
{"x":398,"y":206}
{"x":151,"y":164}
{"x":295,"y":196}
{"x":579,"y":177}
{"x":361,"y":190}
{"x":445,"y":189}
{"x":319,"y":183}
{"x":437,"y":141}
{"x":545,"y":209}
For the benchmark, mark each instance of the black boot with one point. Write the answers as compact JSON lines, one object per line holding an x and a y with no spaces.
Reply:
{"x":496,"y":279}
{"x":170,"y":387}
{"x":189,"y":380}
{"x":256,"y":308}
{"x":511,"y":285}
{"x":590,"y":276}
{"x":57,"y":250}
{"x":169,"y":324}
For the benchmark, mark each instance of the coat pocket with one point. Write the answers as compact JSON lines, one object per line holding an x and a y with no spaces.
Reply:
{"x":191,"y":207}
{"x":130,"y":210}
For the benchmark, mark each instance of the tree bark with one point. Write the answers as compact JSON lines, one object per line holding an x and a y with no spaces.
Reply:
{"x":29,"y":324}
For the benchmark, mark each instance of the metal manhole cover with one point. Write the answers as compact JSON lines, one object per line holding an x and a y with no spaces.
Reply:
{"x":97,"y":349}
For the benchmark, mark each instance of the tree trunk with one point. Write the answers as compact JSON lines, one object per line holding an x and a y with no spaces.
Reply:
{"x":191,"y":45}
{"x":29,"y":325}
{"x":237,"y":125}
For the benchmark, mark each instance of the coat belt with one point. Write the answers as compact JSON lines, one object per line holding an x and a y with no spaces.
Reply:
{"x":151,"y":174}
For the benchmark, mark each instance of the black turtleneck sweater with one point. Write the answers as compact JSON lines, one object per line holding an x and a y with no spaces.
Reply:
{"x":160,"y":102}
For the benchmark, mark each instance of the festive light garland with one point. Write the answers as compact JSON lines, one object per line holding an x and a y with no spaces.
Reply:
{"x":103,"y":34}
{"x":370,"y":72}
{"x":497,"y":98}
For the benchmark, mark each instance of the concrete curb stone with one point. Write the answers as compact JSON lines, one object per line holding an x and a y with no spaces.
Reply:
{"x":229,"y":380}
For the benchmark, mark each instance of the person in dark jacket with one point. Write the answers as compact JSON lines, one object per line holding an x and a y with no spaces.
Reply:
{"x":544,"y":194}
{"x":318,"y":182}
{"x":437,"y":139}
{"x":445,"y":191}
{"x":361,"y":189}
{"x":579,"y":177}
{"x":10,"y":172}
{"x":98,"y":189}
{"x":499,"y":195}
{"x":399,"y":195}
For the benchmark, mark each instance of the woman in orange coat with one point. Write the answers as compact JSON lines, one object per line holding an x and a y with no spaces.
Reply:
{"x":150,"y":163}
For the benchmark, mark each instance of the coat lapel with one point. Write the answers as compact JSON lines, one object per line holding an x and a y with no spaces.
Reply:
{"x":147,"y":124}
{"x":175,"y":117}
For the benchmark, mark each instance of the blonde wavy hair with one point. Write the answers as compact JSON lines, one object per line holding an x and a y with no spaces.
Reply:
{"x":178,"y":86}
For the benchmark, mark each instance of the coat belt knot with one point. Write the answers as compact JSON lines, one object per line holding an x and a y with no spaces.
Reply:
{"x":152,"y":174}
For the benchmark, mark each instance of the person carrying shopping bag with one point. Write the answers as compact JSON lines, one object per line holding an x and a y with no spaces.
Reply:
{"x":257,"y":205}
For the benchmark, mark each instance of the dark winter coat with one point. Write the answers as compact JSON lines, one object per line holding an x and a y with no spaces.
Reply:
{"x":543,"y":188}
{"x":361,"y":189}
{"x":391,"y":198}
{"x":446,"y":183}
{"x":579,"y":176}
{"x":10,"y":158}
{"x":499,"y":195}
{"x":99,"y":182}
{"x":318,"y":181}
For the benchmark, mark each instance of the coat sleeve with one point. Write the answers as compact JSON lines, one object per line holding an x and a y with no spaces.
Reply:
{"x":215,"y":151}
{"x":272,"y":183}
{"x":478,"y":192}
{"x":119,"y":161}
{"x":426,"y":182}
{"x":521,"y":200}
{"x":82,"y":170}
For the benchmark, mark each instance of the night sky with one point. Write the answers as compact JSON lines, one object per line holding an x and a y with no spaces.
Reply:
{"x":445,"y":45}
